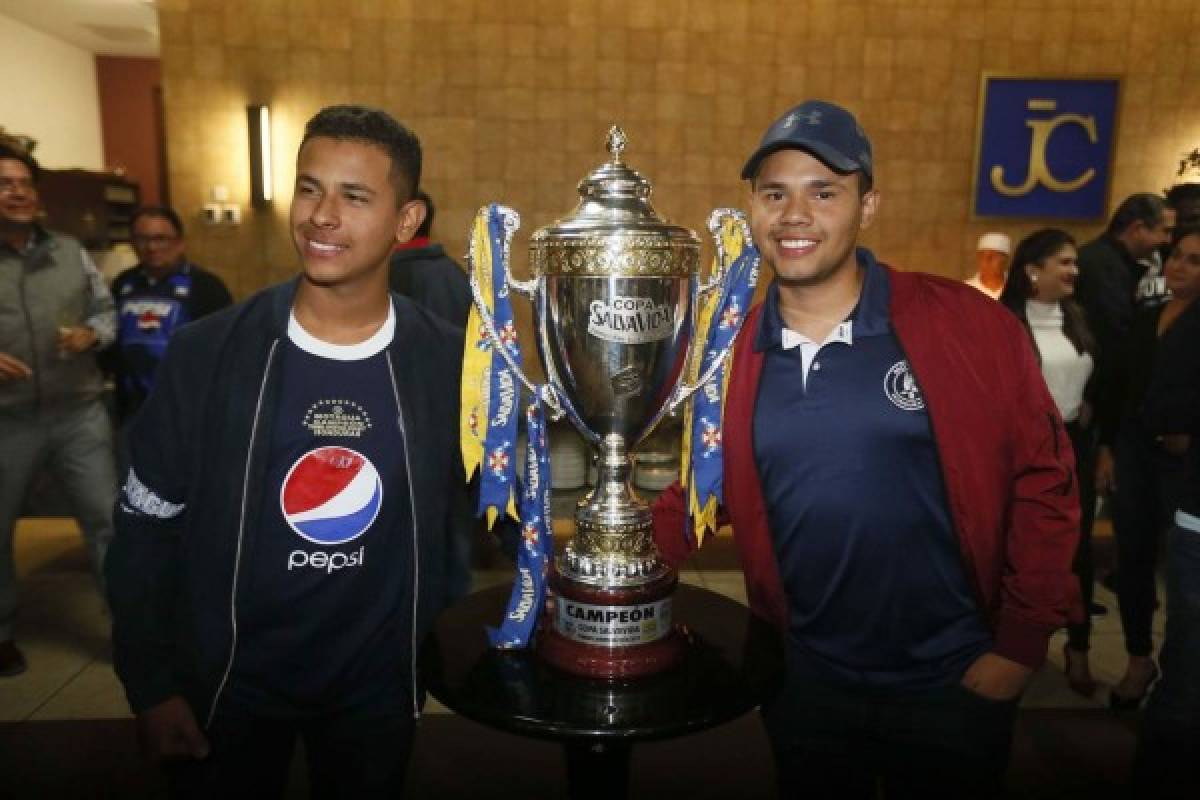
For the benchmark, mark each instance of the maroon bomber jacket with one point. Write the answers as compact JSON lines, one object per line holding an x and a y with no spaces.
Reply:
{"x":1006,"y":461}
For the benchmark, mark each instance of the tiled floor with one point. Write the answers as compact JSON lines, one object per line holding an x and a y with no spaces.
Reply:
{"x":63,"y":630}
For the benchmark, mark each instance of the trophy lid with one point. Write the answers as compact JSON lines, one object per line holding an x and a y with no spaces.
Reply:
{"x":614,"y":209}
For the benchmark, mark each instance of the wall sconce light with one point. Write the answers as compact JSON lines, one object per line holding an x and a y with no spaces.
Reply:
{"x":259,"y":124}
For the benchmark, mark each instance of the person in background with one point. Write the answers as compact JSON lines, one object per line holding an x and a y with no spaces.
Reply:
{"x":163,"y":292}
{"x":1110,"y":268}
{"x":1141,"y":461}
{"x":1152,"y":288}
{"x":991,"y":263}
{"x":1039,"y":292}
{"x":1185,"y":199}
{"x":282,"y":536}
{"x":904,"y":519}
{"x":1167,"y":763}
{"x":421,"y":270}
{"x":55,"y":312}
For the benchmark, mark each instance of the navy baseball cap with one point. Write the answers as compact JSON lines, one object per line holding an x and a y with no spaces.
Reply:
{"x":829,"y":132}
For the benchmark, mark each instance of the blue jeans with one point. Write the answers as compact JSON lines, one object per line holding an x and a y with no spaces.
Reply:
{"x":76,"y":444}
{"x":1168,"y":757}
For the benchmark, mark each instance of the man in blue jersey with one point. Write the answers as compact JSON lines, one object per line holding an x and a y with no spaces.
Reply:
{"x":282,"y":536}
{"x":157,"y":296}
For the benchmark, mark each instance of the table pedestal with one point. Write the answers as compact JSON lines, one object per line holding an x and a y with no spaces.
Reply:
{"x":732,"y":662}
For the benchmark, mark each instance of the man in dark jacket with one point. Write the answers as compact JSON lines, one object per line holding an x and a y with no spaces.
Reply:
{"x":1109,"y":268}
{"x":912,"y":544}
{"x":281,"y":542}
{"x":420,"y":269}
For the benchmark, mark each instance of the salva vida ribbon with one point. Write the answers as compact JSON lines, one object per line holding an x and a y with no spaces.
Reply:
{"x":491,"y":390}
{"x":718,"y":320}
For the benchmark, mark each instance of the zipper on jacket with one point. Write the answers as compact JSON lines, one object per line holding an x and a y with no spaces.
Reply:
{"x":33,"y":350}
{"x":412,"y":507}
{"x":237,"y":559}
{"x":1054,"y":428}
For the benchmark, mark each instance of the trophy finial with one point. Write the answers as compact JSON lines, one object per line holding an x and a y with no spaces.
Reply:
{"x":616,"y":143}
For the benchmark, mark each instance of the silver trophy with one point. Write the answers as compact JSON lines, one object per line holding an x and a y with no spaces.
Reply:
{"x":614,"y":287}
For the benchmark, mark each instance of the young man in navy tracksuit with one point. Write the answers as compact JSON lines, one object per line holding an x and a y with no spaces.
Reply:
{"x":281,"y":542}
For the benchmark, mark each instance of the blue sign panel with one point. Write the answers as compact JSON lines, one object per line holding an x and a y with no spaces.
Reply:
{"x":1045,"y":147}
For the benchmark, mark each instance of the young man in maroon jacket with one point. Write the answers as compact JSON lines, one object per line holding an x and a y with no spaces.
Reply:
{"x":912,"y":543}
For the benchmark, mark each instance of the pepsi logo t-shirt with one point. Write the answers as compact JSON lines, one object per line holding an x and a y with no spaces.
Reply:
{"x":324,"y":610}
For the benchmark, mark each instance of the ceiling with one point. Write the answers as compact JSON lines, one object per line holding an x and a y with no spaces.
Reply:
{"x":105,"y":27}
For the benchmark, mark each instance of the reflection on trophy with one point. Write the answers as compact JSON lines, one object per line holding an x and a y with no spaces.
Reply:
{"x":614,"y":289}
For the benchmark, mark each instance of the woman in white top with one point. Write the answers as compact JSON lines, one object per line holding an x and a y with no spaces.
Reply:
{"x":1039,"y":291}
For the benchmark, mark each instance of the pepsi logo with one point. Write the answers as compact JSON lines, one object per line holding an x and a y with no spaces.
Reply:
{"x":331,"y":495}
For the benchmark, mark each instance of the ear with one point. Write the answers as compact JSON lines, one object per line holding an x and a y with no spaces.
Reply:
{"x":870,"y":206}
{"x":1031,"y":272}
{"x":412,"y":214}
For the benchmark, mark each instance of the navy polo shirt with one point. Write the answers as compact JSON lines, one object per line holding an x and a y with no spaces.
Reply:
{"x":877,"y":593}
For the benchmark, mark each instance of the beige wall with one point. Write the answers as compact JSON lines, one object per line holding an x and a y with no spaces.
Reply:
{"x":512,"y":99}
{"x":50,"y":94}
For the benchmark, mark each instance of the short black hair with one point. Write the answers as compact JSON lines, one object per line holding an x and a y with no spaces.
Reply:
{"x":20,"y":154}
{"x":1143,"y":207}
{"x":1182,"y":193}
{"x":377,"y":127}
{"x":1182,"y":232}
{"x":427,"y":223}
{"x":160,"y":212}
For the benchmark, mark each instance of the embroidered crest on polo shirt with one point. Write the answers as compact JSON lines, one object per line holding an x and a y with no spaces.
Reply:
{"x":900,"y":386}
{"x":337,"y":417}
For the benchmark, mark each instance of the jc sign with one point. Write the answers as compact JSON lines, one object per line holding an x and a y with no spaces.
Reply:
{"x":1045,"y":147}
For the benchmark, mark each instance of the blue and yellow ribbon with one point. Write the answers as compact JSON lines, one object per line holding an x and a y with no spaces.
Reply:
{"x":491,"y":391}
{"x":719,"y":318}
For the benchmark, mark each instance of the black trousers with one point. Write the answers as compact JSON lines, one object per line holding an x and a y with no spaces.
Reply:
{"x":348,"y":757}
{"x":1149,"y":486}
{"x":832,"y":742}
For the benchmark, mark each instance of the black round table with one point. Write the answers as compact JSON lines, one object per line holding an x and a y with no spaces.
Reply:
{"x":734,"y":662}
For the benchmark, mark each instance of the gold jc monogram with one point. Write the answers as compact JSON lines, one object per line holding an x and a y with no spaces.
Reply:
{"x":1039,"y":171}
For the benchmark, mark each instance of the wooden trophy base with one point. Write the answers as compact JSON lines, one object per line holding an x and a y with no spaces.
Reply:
{"x":610,"y":662}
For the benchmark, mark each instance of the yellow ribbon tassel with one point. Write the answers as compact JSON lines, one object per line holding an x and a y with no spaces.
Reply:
{"x":477,"y":355}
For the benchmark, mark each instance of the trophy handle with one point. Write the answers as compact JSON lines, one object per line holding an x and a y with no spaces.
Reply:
{"x":512,"y":221}
{"x":715,"y":222}
{"x":718,"y":279}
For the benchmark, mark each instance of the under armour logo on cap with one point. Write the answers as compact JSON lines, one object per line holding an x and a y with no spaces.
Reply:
{"x":830,"y":132}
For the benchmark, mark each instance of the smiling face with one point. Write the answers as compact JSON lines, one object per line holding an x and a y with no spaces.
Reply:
{"x":1182,"y":269}
{"x":1054,"y":278}
{"x":345,"y":215}
{"x":806,"y":218}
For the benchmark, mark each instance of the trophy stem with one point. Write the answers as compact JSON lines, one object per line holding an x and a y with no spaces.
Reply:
{"x":614,"y":539}
{"x":612,"y":618}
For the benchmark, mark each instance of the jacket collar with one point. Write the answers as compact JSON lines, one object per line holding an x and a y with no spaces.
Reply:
{"x":283,"y":296}
{"x":870,"y":316}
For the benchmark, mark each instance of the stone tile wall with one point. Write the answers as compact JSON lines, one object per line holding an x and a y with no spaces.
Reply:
{"x":512,"y":99}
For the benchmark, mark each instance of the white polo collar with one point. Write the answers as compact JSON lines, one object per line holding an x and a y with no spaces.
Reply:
{"x":843,"y":332}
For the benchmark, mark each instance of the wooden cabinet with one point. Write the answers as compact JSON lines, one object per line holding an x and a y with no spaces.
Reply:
{"x":94,"y":207}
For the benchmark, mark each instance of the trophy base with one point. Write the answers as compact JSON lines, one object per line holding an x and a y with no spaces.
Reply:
{"x":612,"y":663}
{"x":612,"y":633}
